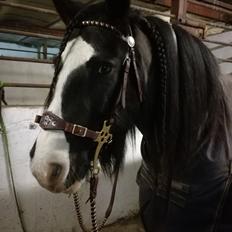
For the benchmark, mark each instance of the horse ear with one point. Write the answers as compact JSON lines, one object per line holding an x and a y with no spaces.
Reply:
{"x":118,"y":8}
{"x":67,"y":9}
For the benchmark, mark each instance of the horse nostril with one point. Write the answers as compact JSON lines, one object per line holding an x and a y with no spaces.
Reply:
{"x":55,"y":170}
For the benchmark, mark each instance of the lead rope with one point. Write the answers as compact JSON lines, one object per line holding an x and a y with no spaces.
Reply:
{"x":95,"y":227}
{"x":7,"y":156}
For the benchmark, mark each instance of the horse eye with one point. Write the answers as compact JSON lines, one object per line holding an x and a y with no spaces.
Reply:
{"x":104,"y":68}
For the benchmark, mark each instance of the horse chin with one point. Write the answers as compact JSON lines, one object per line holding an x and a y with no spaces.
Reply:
{"x":62,"y":189}
{"x":54,"y":189}
{"x":75,"y":187}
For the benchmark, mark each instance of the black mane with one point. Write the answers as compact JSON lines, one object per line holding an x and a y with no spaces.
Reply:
{"x":188,"y":107}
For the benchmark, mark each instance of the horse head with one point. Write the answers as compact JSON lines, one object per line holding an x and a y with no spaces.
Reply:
{"x":88,"y":88}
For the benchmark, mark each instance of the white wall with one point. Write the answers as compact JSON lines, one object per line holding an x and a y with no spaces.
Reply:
{"x":222,"y":52}
{"x":44,"y":211}
{"x":25,"y":72}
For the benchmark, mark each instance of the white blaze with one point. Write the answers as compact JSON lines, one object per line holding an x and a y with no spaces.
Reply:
{"x":51,"y":146}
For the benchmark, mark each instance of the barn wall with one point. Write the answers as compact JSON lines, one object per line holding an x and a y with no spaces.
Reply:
{"x":24,"y":72}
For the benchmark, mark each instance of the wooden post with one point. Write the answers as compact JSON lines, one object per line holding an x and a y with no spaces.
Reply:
{"x":179,"y":9}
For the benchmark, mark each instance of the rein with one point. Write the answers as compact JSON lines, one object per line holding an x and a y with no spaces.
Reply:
{"x":50,"y":121}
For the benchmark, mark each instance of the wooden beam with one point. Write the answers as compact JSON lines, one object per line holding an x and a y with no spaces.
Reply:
{"x":209,"y":11}
{"x":28,"y":7}
{"x":32,"y":31}
{"x":219,"y":3}
{"x":202,"y":9}
{"x":25,"y":85}
{"x":20,"y":59}
{"x":179,"y":9}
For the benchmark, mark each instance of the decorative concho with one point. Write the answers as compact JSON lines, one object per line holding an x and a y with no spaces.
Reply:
{"x":48,"y":121}
{"x":131,"y":41}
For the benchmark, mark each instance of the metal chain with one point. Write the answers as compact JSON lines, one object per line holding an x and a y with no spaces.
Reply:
{"x":95,"y":227}
{"x":93,"y":215}
{"x":78,"y":211}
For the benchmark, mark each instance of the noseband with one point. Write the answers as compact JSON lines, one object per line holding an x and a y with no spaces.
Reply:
{"x":50,"y":121}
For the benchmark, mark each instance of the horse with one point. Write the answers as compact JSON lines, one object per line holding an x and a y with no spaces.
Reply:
{"x":121,"y":69}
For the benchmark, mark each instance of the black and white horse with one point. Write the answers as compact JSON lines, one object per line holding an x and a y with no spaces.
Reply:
{"x":171,"y":91}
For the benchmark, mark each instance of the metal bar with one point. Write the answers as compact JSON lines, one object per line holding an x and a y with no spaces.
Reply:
{"x":8,"y":58}
{"x":225,"y":60}
{"x":18,"y":50}
{"x":27,"y":7}
{"x":25,"y":85}
{"x":45,"y":51}
{"x":33,"y":31}
{"x":218,"y":42}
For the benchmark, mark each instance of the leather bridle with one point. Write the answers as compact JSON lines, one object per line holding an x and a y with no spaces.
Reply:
{"x":50,"y":121}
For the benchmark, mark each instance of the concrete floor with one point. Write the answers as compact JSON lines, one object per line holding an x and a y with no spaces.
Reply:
{"x":129,"y":225}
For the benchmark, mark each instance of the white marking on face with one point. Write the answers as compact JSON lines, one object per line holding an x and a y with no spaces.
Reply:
{"x":51,"y":146}
{"x":76,"y":53}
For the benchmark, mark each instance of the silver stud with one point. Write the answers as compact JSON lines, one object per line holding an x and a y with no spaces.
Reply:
{"x":131,"y":41}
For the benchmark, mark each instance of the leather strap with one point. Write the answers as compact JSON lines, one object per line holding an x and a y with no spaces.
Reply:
{"x":138,"y":80}
{"x":127,"y":64}
{"x":50,"y":121}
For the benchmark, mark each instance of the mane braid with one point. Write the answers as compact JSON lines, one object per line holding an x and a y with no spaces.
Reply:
{"x":159,"y":44}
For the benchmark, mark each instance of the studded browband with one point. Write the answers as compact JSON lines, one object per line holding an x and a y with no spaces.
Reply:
{"x":130,"y":58}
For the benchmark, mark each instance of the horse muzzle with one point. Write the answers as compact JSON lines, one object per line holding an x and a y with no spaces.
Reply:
{"x":52,"y":177}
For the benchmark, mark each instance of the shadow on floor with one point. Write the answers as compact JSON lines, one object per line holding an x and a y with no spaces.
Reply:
{"x":126,"y":225}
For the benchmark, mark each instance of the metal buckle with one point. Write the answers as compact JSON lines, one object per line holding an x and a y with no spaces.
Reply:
{"x":85,"y":131}
{"x":74,"y":128}
{"x":81,"y":128}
